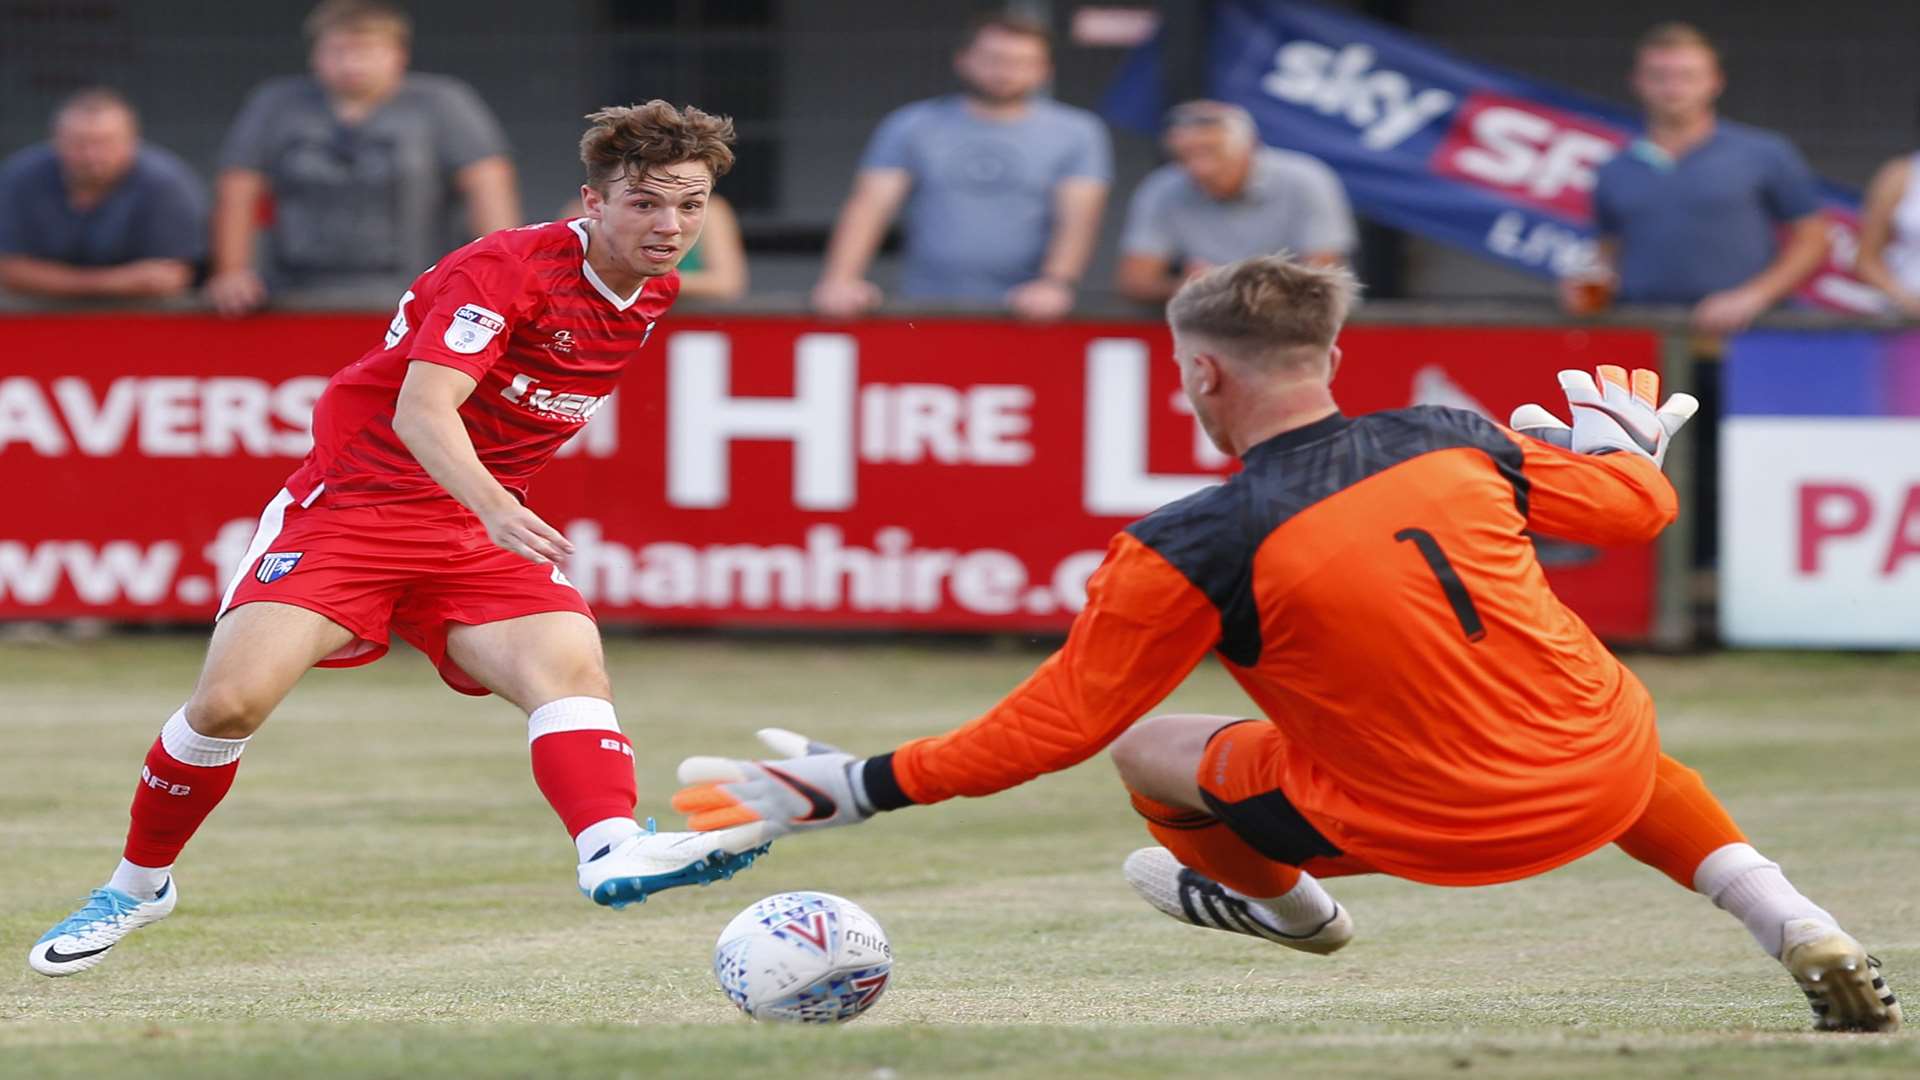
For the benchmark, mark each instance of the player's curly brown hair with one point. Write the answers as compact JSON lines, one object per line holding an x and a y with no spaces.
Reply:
{"x":630,"y":140}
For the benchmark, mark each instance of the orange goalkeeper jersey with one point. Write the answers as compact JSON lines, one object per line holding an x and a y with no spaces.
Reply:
{"x":1370,"y":582}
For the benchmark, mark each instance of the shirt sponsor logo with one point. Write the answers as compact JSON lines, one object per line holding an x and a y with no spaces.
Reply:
{"x":525,"y":391}
{"x":275,"y":565}
{"x":472,"y":328}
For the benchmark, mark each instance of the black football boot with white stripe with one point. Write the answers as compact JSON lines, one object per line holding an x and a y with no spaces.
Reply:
{"x":1198,"y":900}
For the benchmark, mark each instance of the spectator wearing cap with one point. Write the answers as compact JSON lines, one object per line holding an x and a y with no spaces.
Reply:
{"x":96,"y":212}
{"x":1002,"y":187}
{"x":358,"y":158}
{"x":1227,"y":197}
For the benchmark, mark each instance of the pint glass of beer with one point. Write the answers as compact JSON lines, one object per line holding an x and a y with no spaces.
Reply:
{"x":1589,"y":291}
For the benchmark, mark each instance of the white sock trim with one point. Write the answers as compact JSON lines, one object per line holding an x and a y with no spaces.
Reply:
{"x":1723,"y":865}
{"x":571,"y":714}
{"x":1303,"y":909}
{"x":1750,"y":887}
{"x":189,"y":747}
{"x":139,"y":882}
{"x":604,"y":833}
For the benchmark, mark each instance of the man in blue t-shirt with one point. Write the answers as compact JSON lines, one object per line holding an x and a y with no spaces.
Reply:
{"x":1700,"y":211}
{"x":1002,"y":187}
{"x":1703,"y":212}
{"x":95,"y":212}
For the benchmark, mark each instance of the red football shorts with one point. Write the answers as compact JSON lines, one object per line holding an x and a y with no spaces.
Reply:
{"x":409,"y":567}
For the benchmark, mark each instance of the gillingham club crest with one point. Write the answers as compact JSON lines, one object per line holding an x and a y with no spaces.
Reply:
{"x":275,"y":565}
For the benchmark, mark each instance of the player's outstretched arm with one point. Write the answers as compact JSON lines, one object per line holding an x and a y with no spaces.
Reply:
{"x":1599,"y":480}
{"x":427,"y":419}
{"x":1145,"y":627}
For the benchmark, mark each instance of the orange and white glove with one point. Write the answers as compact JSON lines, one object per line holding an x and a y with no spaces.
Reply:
{"x":813,"y":786}
{"x":1617,"y":414}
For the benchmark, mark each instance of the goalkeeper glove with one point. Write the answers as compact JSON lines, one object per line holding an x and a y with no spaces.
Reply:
{"x":814,"y":786}
{"x":1615,"y":415}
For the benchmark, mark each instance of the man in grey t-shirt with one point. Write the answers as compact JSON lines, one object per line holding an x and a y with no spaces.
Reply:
{"x":357,"y":159}
{"x":1003,"y":189}
{"x":1225,"y":198}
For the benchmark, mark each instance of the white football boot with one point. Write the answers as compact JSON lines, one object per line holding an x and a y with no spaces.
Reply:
{"x":1843,"y":984}
{"x":84,"y":938}
{"x":1198,"y":900}
{"x":649,"y":862}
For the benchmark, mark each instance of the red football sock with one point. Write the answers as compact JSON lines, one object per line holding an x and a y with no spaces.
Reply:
{"x":185,"y":776}
{"x":582,"y":763}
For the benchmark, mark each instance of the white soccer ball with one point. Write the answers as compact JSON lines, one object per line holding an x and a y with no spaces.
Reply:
{"x":807,"y":957}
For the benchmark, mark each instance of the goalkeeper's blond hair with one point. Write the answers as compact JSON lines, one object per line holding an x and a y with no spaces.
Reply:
{"x":1268,"y":310}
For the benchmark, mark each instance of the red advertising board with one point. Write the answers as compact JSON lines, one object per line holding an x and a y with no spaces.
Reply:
{"x":934,"y":473}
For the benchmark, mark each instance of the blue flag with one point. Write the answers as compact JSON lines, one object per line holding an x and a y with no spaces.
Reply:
{"x":1429,"y":142}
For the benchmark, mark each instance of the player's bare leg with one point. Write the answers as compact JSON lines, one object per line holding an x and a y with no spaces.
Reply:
{"x":259,"y":651}
{"x":552,"y":667}
{"x":1689,"y":836}
{"x":1204,"y":874}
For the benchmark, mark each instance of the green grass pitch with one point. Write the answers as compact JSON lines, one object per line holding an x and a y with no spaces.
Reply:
{"x":385,"y":894}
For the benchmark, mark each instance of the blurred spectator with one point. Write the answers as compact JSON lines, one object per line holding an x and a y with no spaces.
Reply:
{"x":1889,"y":256}
{"x":358,"y":159}
{"x":1225,"y":198}
{"x":715,"y":267}
{"x":1691,"y":212}
{"x":1006,"y":187}
{"x":97,"y":212}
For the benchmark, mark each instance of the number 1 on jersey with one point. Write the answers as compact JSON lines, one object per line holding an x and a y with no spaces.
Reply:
{"x":1450,"y":582}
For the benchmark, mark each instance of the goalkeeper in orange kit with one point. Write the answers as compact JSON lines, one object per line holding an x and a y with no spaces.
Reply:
{"x":1429,"y":709}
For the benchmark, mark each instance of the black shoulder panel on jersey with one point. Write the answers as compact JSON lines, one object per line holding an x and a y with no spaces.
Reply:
{"x":1211,"y":535}
{"x":1475,"y":430}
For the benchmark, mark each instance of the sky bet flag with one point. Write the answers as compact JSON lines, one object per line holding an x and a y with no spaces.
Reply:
{"x":1426,"y":141}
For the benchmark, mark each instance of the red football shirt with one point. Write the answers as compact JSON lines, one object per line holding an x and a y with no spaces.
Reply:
{"x":520,"y":311}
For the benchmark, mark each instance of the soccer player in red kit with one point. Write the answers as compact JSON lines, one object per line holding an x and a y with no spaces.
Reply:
{"x":409,"y":516}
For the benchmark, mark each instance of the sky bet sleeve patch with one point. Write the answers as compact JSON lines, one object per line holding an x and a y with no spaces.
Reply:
{"x":472,"y":327}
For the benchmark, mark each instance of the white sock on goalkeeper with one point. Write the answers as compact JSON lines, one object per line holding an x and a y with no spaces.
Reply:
{"x":1304,"y":909}
{"x":1751,"y":888}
